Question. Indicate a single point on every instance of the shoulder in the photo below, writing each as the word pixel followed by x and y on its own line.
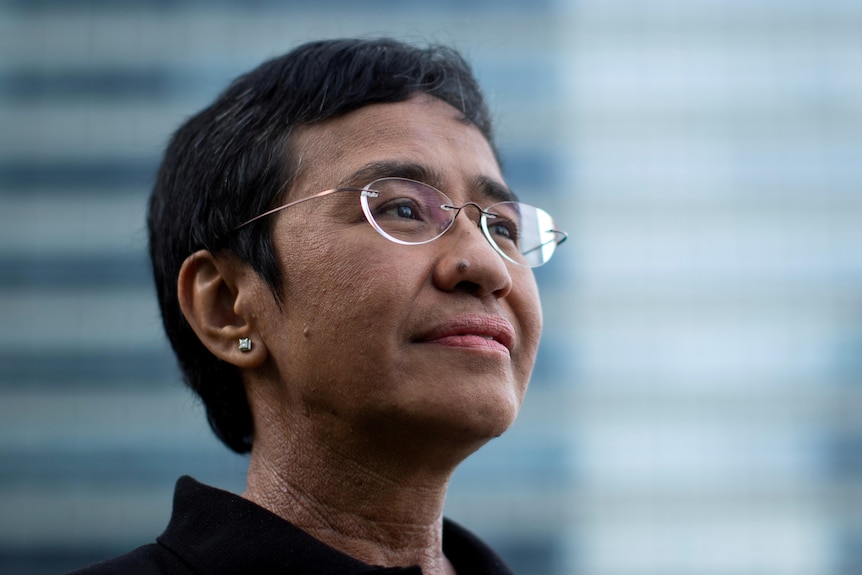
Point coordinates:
pixel 152 559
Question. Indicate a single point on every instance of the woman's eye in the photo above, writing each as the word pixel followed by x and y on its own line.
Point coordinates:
pixel 504 229
pixel 401 210
pixel 404 212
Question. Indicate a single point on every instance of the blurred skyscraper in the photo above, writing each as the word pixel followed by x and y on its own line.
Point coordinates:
pixel 695 406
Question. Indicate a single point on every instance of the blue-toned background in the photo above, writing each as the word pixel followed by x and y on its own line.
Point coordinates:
pixel 697 407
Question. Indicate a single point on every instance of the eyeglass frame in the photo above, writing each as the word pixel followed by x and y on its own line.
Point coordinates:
pixel 366 192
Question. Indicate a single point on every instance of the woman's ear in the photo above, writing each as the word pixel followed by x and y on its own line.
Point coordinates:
pixel 214 295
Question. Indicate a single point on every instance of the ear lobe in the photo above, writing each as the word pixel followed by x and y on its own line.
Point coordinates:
pixel 208 289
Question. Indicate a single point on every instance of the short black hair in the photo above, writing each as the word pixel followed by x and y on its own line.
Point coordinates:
pixel 233 160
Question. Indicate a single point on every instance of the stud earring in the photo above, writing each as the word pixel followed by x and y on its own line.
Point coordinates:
pixel 245 344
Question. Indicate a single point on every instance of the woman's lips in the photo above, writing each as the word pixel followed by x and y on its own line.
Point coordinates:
pixel 479 332
pixel 471 342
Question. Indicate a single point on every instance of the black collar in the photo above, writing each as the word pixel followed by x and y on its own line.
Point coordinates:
pixel 218 532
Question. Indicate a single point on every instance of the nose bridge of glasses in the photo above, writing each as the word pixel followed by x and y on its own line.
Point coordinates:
pixel 458 209
pixel 481 212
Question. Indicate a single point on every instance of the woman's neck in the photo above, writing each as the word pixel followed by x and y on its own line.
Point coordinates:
pixel 363 506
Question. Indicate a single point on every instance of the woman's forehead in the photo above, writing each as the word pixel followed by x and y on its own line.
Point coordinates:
pixel 422 132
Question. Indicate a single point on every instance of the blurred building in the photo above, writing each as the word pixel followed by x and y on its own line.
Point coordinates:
pixel 695 405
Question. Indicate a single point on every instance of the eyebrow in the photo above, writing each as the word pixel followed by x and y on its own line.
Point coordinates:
pixel 494 189
pixel 488 187
pixel 376 170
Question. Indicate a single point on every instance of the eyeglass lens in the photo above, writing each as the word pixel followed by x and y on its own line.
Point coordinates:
pixel 410 212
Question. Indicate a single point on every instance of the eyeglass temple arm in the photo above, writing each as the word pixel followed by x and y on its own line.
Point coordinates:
pixel 555 241
pixel 301 200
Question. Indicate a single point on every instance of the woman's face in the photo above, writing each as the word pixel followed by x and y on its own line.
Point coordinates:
pixel 377 338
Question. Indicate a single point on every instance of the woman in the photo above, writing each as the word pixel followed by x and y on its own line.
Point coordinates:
pixel 346 281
